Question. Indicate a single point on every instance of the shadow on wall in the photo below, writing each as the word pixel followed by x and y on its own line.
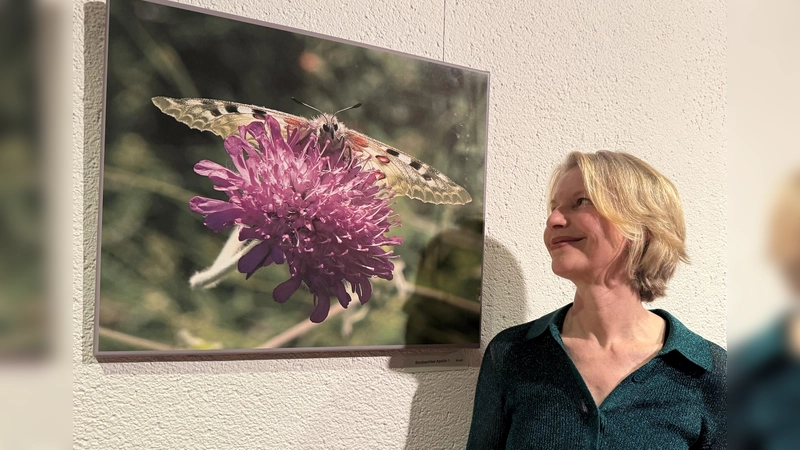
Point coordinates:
pixel 441 410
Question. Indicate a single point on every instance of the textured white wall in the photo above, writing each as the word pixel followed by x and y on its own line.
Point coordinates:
pixel 646 77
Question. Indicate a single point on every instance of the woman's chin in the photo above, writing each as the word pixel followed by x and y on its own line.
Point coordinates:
pixel 564 270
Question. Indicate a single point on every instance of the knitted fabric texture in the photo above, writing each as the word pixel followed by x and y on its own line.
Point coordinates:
pixel 531 396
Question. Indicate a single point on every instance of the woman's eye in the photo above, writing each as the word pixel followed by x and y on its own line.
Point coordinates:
pixel 583 201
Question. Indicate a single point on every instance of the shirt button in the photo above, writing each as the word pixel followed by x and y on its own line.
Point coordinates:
pixel 637 378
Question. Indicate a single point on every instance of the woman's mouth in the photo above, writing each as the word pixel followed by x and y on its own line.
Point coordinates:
pixel 563 241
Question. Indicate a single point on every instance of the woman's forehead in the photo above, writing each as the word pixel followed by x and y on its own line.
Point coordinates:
pixel 569 183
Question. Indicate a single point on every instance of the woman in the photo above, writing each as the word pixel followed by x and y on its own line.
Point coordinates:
pixel 765 374
pixel 603 371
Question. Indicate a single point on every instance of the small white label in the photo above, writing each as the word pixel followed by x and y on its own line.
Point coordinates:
pixel 435 362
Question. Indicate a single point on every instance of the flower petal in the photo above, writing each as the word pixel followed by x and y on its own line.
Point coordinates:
pixel 219 214
pixel 285 290
pixel 275 132
pixel 206 168
pixel 221 220
pixel 236 146
pixel 203 205
pixel 277 255
pixel 249 233
pixel 342 295
pixel 254 259
pixel 366 291
pixel 323 302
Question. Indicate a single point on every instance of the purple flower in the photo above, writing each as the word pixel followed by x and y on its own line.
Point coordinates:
pixel 324 215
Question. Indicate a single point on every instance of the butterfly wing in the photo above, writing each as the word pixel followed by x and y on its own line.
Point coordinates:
pixel 407 175
pixel 221 117
pixel 404 173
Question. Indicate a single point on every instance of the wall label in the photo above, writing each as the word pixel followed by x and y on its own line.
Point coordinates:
pixel 435 362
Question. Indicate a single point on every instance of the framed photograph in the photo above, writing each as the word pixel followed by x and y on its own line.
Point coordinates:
pixel 266 189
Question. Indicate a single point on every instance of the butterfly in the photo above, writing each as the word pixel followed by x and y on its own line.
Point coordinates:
pixel 405 174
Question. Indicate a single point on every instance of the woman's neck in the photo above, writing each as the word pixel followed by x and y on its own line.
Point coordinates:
pixel 611 314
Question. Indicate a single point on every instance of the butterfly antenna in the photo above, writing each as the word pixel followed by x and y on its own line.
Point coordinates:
pixel 307 105
pixel 357 105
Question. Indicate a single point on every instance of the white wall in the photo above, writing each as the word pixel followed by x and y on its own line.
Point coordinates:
pixel 646 77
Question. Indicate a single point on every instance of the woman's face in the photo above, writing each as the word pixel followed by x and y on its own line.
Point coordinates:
pixel 789 259
pixel 785 237
pixel 585 247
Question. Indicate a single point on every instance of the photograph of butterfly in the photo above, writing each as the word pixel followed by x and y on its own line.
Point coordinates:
pixel 404 173
pixel 345 213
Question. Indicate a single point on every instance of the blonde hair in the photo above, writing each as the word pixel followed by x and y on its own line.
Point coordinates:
pixel 643 205
pixel 784 238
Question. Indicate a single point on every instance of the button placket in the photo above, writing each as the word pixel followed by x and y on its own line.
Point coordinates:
pixel 601 427
pixel 641 374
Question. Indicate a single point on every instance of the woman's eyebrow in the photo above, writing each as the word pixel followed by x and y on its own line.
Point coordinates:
pixel 578 193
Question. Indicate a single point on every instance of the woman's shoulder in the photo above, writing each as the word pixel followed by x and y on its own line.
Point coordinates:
pixel 506 344
pixel 697 349
pixel 524 331
pixel 719 357
pixel 718 375
pixel 511 335
pixel 687 336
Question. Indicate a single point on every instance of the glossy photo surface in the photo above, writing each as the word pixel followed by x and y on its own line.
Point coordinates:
pixel 241 212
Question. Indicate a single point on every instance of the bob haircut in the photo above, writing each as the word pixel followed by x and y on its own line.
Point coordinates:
pixel 644 206
pixel 784 242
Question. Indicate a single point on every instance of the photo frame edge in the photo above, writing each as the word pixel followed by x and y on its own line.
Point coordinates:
pixel 235 354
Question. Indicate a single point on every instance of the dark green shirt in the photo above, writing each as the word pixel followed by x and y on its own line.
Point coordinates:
pixel 765 391
pixel 531 396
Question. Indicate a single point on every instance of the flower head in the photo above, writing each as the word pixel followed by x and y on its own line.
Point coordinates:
pixel 325 216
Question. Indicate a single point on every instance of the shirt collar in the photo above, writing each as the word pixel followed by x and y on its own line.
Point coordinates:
pixel 679 338
pixel 553 320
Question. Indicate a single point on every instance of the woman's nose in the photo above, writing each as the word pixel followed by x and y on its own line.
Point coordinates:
pixel 556 219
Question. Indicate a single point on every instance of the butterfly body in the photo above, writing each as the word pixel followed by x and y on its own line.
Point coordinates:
pixel 330 133
pixel 405 174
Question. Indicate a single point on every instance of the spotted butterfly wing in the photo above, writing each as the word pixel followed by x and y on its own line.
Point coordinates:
pixel 220 117
pixel 408 175
pixel 405 174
